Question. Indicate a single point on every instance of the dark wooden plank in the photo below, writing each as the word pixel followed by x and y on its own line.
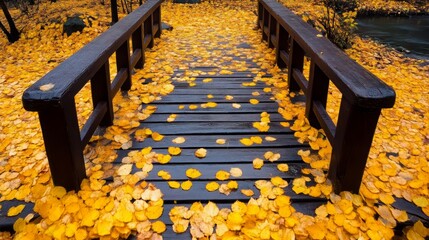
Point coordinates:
pixel 178 128
pixel 209 141
pixel 221 108
pixel 198 192
pixel 232 155
pixel 6 223
pixel 187 91
pixel 208 171
pixel 202 98
pixel 217 117
pixel 221 85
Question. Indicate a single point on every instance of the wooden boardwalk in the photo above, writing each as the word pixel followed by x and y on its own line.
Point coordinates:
pixel 203 126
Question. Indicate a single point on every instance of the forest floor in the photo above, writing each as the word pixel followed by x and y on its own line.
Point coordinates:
pixel 397 165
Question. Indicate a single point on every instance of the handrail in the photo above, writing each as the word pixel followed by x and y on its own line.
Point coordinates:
pixel 64 142
pixel 363 94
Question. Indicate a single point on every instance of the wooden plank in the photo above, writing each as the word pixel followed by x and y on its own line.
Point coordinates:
pixel 198 192
pixel 221 85
pixel 233 141
pixel 221 108
pixel 208 171
pixel 179 128
pixel 6 223
pixel 234 92
pixel 217 117
pixel 219 155
pixel 202 98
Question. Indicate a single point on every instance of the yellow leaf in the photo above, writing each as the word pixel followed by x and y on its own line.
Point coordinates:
pixel 258 163
pixel 256 139
pixel 421 201
pixel 206 80
pixel 14 211
pixel 193 107
pixel 247 192
pixel 222 175
pixel 210 96
pixel 104 227
pixel 283 167
pixel 186 185
pixel 236 105
pixel 154 212
pixel 254 101
pixel 229 97
pixel 246 141
pixel 157 137
pixel 173 184
pixel 125 169
pixel 232 185
pixel 201 153
pixel 158 227
pixel 174 151
pixel 164 175
pixel 193 173
pixel 236 172
pixel 270 139
pixel 179 140
pixel 220 141
pixel 47 87
pixel 212 186
pixel 171 118
pixel 163 159
pixel 211 104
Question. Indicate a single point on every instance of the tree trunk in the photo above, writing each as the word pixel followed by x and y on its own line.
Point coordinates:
pixel 114 7
pixel 13 34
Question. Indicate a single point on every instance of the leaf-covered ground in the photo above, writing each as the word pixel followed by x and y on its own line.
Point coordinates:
pixel 397 165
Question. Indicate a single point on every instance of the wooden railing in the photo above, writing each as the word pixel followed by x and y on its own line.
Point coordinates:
pixel 363 94
pixel 64 141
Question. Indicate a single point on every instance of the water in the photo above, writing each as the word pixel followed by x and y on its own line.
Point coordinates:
pixel 409 35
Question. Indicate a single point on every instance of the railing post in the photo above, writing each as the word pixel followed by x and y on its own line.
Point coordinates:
pixel 157 20
pixel 63 144
pixel 102 92
pixel 265 22
pixel 148 30
pixel 352 142
pixel 260 15
pixel 123 61
pixel 296 61
pixel 137 39
pixel 272 27
pixel 282 45
pixel 318 85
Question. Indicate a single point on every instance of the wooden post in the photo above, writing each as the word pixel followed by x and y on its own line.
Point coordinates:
pixel 265 20
pixel 63 144
pixel 157 20
pixel 137 39
pixel 102 92
pixel 272 27
pixel 114 10
pixel 148 30
pixel 123 61
pixel 318 85
pixel 296 61
pixel 353 138
pixel 282 45
pixel 260 15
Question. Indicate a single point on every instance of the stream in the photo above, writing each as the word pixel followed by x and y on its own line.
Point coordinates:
pixel 409 35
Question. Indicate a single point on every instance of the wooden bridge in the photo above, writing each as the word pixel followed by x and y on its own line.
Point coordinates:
pixel 363 97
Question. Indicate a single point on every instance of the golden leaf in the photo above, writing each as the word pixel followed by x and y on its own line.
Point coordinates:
pixel 258 163
pixel 246 141
pixel 220 141
pixel 222 175
pixel 193 173
pixel 212 186
pixel 47 87
pixel 179 140
pixel 254 101
pixel 186 185
pixel 174 184
pixel 157 137
pixel 174 151
pixel 247 192
pixel 201 153
pixel 158 227
pixel 14 211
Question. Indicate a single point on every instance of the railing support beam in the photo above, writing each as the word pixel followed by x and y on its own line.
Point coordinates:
pixel 355 130
pixel 63 145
